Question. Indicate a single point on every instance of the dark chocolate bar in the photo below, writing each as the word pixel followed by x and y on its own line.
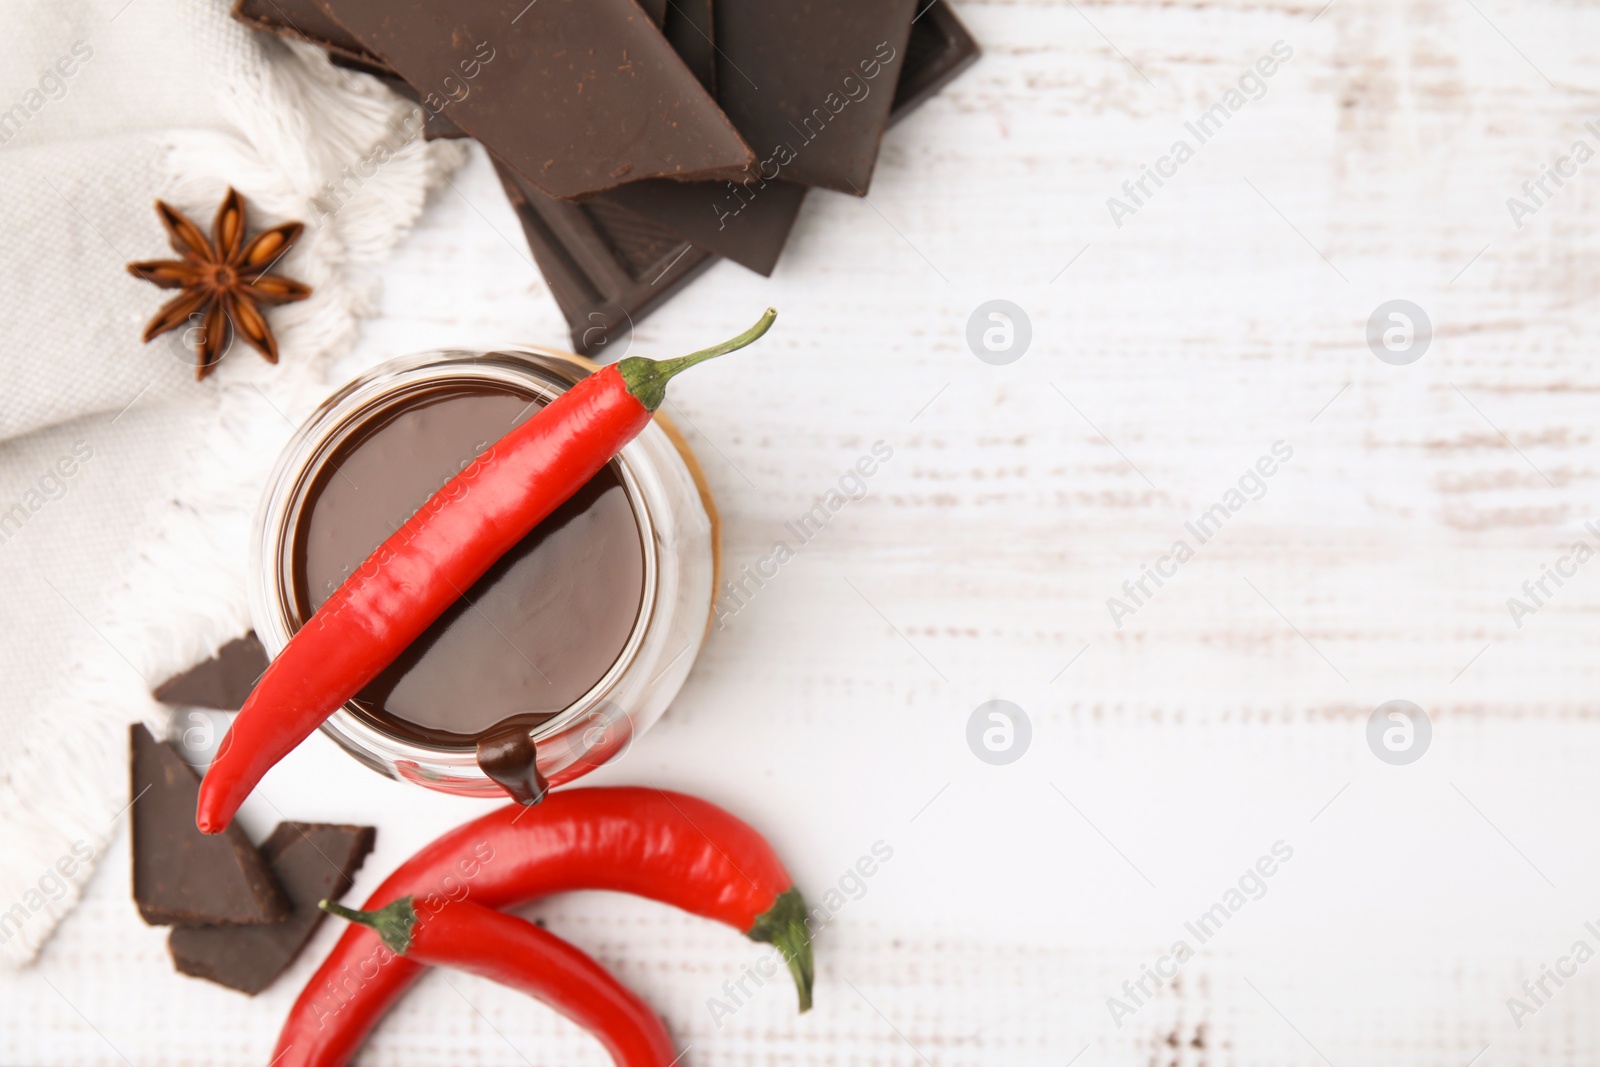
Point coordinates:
pixel 938 49
pixel 578 96
pixel 656 9
pixel 608 264
pixel 312 862
pixel 747 221
pixel 181 875
pixel 597 300
pixel 750 222
pixel 221 682
pixel 303 20
pixel 690 31
pixel 810 85
pixel 606 267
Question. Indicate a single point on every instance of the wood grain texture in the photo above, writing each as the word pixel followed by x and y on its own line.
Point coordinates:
pixel 1228 713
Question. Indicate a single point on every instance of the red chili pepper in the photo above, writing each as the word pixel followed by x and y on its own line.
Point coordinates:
pixel 427 564
pixel 664 846
pixel 516 953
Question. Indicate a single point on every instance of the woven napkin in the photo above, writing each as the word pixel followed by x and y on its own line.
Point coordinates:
pixel 126 487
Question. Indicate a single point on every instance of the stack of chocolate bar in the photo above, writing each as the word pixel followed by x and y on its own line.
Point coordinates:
pixel 641 140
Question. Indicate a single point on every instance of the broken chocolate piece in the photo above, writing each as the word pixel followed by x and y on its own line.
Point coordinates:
pixel 656 9
pixel 938 49
pixel 312 862
pixel 601 303
pixel 578 96
pixel 303 20
pixel 690 31
pixel 221 682
pixel 810 85
pixel 181 875
pixel 748 222
pixel 606 267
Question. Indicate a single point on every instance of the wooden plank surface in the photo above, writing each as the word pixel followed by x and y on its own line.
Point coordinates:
pixel 1229 711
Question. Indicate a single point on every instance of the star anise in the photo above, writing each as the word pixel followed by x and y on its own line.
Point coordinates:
pixel 224 280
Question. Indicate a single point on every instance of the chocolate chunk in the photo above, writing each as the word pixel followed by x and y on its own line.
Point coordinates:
pixel 602 299
pixel 810 85
pixel 303 20
pixel 606 267
pixel 748 222
pixel 656 9
pixel 611 261
pixel 312 861
pixel 221 682
pixel 576 95
pixel 181 875
pixel 938 49
pixel 689 29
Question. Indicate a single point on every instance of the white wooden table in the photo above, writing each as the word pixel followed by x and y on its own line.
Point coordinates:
pixel 1228 712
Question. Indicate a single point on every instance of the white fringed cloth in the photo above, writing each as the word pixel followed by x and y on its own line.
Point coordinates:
pixel 126 488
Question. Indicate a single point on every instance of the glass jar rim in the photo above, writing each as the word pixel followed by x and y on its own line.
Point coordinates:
pixel 385 385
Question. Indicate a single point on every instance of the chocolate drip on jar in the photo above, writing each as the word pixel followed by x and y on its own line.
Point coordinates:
pixel 507 754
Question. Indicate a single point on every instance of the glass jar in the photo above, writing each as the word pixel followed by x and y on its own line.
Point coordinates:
pixel 676 521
